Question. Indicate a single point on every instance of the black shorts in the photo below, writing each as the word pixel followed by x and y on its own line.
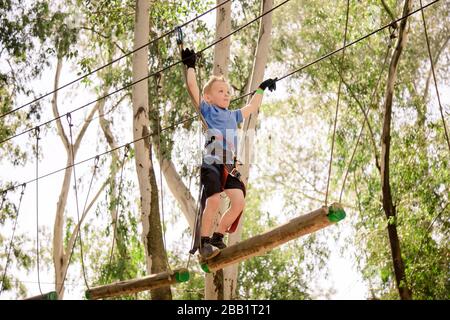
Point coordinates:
pixel 211 179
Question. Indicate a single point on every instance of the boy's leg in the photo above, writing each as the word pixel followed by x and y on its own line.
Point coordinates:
pixel 206 250
pixel 237 205
pixel 211 208
pixel 210 178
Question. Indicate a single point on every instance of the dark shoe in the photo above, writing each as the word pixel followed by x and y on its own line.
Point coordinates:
pixel 207 251
pixel 217 241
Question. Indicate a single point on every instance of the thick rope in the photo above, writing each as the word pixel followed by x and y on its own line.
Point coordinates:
pixel 434 78
pixel 125 156
pixel 203 126
pixel 69 120
pixel 96 160
pixel 188 118
pixel 185 69
pixel 37 133
pixel 128 85
pixel 337 106
pixel 192 117
pixel 114 61
pixel 158 125
pixel 366 114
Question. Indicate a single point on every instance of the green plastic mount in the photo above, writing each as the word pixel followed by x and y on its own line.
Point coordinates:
pixel 51 296
pixel 88 295
pixel 205 267
pixel 335 213
pixel 182 276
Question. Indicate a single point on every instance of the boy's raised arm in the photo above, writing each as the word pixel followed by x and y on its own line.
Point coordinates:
pixel 256 100
pixel 193 89
pixel 188 57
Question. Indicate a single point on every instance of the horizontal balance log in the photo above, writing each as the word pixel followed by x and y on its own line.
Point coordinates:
pixel 260 244
pixel 150 282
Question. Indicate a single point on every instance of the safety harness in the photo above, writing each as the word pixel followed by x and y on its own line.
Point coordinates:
pixel 228 169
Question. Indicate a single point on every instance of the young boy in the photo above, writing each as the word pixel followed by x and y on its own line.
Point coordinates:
pixel 218 171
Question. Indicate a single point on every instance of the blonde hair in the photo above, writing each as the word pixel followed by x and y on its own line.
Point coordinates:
pixel 207 87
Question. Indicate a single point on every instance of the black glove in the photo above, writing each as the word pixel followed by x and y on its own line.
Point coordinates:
pixel 269 83
pixel 188 57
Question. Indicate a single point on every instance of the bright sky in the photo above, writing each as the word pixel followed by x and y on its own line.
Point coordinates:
pixel 344 277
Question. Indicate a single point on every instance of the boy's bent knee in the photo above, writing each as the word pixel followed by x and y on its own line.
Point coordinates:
pixel 213 200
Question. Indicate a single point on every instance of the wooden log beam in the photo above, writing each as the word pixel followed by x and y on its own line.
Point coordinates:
pixel 52 295
pixel 153 281
pixel 262 243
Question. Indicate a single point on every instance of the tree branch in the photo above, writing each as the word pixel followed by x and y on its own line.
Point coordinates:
pixel 88 120
pixel 103 36
pixel 74 234
pixel 59 125
pixel 390 13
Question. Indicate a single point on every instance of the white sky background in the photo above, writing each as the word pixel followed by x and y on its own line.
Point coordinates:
pixel 343 275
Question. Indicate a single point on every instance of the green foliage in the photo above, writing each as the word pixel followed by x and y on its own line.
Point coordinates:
pixel 418 151
pixel 16 255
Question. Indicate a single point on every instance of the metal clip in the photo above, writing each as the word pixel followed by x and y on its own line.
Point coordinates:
pixel 179 35
pixel 69 119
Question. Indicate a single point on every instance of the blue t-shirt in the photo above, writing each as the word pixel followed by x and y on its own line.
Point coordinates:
pixel 223 123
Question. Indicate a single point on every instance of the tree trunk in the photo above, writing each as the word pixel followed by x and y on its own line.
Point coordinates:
pixel 155 241
pixel 222 49
pixel 214 282
pixel 176 185
pixel 59 258
pixel 249 133
pixel 388 205
pixel 151 227
pixel 60 254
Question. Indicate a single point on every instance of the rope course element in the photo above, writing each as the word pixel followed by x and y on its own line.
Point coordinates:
pixel 188 118
pixel 150 282
pixel 295 228
pixel 161 187
pixel 197 222
pixel 179 38
pixel 52 295
pixel 390 24
pixel 337 105
pixel 113 61
pixel 12 237
pixel 255 246
pixel 149 75
pixel 192 117
pixel 37 134
pixel 125 156
pixel 434 78
pixel 96 160
pixel 366 114
pixel 78 235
